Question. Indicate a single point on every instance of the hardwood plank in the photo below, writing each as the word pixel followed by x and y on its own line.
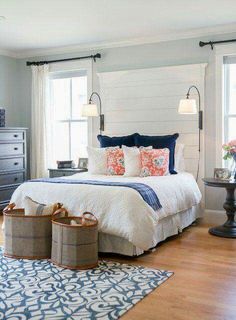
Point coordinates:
pixel 203 286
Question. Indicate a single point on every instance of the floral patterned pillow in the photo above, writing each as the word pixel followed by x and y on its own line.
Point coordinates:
pixel 154 162
pixel 115 161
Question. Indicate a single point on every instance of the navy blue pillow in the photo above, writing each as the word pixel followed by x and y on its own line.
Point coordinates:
pixel 159 142
pixel 106 141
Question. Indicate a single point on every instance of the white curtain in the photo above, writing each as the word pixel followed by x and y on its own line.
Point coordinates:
pixel 40 121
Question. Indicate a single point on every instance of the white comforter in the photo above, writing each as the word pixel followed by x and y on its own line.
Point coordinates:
pixel 120 211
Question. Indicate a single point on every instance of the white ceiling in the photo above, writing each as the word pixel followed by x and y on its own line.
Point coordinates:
pixel 32 25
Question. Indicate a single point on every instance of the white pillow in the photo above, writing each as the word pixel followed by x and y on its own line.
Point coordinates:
pixel 132 160
pixel 97 160
pixel 179 157
pixel 34 208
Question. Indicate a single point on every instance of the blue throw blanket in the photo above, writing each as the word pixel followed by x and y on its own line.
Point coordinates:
pixel 146 192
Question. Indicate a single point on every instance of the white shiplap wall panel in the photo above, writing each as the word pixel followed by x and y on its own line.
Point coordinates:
pixel 162 74
pixel 146 90
pixel 146 101
pixel 137 103
pixel 145 127
pixel 151 115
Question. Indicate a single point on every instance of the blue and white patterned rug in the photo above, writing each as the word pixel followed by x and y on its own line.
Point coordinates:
pixel 39 290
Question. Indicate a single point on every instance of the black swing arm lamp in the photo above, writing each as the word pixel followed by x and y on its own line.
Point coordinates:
pixel 189 106
pixel 91 109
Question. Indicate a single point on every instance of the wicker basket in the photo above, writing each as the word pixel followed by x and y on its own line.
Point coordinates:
pixel 75 246
pixel 27 236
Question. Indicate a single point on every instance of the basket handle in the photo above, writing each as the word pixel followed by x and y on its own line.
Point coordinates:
pixel 58 212
pixel 9 207
pixel 57 206
pixel 88 214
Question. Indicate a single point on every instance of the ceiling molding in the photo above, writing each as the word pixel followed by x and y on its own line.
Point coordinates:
pixel 178 35
pixel 8 53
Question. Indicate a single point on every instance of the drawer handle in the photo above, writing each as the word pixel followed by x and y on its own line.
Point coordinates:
pixel 15 135
pixel 15 148
pixel 16 163
pixel 15 179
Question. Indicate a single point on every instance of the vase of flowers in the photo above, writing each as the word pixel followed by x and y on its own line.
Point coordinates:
pixel 230 154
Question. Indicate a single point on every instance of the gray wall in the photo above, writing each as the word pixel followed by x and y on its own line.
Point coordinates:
pixel 143 56
pixel 8 89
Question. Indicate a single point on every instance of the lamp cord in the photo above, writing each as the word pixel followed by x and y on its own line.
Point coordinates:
pixel 198 166
pixel 199 126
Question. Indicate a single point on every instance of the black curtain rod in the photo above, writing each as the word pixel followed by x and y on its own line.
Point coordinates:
pixel 211 43
pixel 39 63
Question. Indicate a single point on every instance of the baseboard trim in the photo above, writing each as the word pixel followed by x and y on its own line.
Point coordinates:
pixel 209 211
pixel 214 217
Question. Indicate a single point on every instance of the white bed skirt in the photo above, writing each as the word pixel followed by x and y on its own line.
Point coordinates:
pixel 166 227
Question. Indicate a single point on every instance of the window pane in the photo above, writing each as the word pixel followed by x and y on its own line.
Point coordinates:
pixel 61 141
pixel 79 140
pixel 60 97
pixel 70 138
pixel 232 89
pixel 79 95
pixel 232 129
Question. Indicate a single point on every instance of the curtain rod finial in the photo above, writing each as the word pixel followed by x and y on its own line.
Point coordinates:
pixel 96 56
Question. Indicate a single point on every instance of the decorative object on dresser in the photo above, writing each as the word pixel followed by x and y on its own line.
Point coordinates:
pixel 2 117
pixel 228 229
pixel 13 166
pixel 54 173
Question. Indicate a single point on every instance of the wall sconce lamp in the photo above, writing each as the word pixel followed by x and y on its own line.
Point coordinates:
pixel 189 106
pixel 91 109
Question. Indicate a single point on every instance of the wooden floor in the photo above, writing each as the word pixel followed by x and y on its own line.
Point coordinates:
pixel 204 284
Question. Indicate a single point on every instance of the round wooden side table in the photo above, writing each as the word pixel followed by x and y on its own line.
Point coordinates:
pixel 228 229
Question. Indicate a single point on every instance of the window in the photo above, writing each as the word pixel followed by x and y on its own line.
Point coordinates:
pixel 229 98
pixel 68 92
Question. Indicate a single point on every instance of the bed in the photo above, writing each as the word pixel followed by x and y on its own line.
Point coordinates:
pixel 127 224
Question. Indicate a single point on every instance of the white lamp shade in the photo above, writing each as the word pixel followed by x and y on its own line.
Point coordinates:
pixel 187 106
pixel 90 110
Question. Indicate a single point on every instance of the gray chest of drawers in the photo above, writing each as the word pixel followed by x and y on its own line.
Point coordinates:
pixel 12 162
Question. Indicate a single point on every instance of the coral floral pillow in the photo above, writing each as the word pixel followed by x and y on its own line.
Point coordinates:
pixel 154 162
pixel 115 161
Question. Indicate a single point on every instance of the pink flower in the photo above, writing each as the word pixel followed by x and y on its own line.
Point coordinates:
pixel 233 150
pixel 232 143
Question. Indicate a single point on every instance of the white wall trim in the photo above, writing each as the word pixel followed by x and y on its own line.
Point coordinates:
pixel 220 52
pixel 214 217
pixel 8 53
pixel 177 35
pixel 221 212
